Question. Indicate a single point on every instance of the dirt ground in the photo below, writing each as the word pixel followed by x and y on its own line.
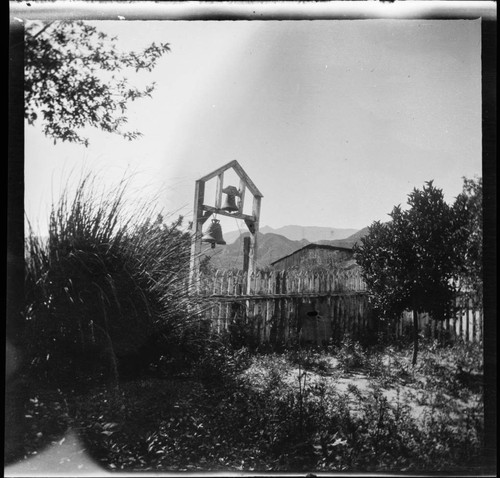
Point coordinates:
pixel 410 390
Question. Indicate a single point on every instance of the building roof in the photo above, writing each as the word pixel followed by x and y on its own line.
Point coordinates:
pixel 314 246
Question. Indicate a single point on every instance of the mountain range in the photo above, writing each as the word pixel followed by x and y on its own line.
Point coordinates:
pixel 298 233
pixel 271 247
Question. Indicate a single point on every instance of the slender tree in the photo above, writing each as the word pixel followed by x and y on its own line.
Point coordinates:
pixel 74 78
pixel 409 262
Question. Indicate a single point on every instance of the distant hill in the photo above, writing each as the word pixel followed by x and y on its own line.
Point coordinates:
pixel 299 233
pixel 270 248
pixel 349 241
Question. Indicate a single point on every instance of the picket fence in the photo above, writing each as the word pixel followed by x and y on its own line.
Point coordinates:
pixel 292 282
pixel 316 306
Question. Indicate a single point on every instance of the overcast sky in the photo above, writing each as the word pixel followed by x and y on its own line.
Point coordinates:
pixel 335 121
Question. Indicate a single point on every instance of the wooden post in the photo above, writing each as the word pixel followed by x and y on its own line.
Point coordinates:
pixel 460 319
pixel 218 193
pixel 474 324
pixel 467 322
pixel 252 253
pixel 194 266
pixel 246 252
pixel 415 338
pixel 481 318
pixel 241 199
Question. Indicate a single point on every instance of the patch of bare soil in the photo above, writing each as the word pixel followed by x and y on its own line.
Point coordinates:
pixel 399 384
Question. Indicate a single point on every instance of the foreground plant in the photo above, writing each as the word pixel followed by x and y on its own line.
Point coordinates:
pixel 221 419
pixel 104 283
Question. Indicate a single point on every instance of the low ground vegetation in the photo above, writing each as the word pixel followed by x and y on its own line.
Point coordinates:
pixel 337 409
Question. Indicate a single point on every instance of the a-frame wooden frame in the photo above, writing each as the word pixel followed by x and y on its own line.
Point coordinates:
pixel 202 212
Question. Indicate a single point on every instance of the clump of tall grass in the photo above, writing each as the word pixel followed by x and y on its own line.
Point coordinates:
pixel 103 283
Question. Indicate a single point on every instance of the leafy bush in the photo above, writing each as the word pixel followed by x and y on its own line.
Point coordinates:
pixel 456 369
pixel 310 359
pixel 218 363
pixel 351 355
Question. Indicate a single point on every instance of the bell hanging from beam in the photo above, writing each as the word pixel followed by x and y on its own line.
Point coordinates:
pixel 213 235
pixel 230 202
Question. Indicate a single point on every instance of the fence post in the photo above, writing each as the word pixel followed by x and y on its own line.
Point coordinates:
pixel 467 321
pixel 481 317
pixel 473 322
pixel 253 283
pixel 460 318
pixel 230 282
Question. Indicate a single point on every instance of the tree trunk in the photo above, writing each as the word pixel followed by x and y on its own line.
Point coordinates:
pixel 415 338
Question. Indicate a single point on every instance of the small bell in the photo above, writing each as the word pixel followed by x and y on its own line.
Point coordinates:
pixel 230 202
pixel 213 235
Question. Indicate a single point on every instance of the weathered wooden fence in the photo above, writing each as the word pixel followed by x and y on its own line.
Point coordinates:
pixel 317 306
pixel 466 323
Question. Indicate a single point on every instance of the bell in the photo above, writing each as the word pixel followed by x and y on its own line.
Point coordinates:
pixel 230 202
pixel 214 234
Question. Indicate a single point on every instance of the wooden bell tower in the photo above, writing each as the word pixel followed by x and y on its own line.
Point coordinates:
pixel 202 212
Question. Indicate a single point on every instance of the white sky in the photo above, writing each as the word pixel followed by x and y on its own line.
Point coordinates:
pixel 335 121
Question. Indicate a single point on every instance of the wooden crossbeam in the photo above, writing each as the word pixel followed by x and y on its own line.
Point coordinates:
pixel 221 212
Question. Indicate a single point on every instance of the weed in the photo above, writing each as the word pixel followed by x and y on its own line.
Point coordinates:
pixel 351 355
pixel 309 359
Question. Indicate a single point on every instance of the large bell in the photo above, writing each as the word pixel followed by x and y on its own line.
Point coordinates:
pixel 230 202
pixel 214 234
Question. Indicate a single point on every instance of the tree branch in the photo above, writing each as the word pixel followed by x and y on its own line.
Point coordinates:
pixel 42 30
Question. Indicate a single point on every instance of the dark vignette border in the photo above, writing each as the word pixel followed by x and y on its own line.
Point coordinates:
pixel 95 10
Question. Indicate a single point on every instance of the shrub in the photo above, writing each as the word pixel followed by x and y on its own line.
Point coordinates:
pixel 219 364
pixel 310 359
pixel 351 355
pixel 456 369
pixel 101 285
